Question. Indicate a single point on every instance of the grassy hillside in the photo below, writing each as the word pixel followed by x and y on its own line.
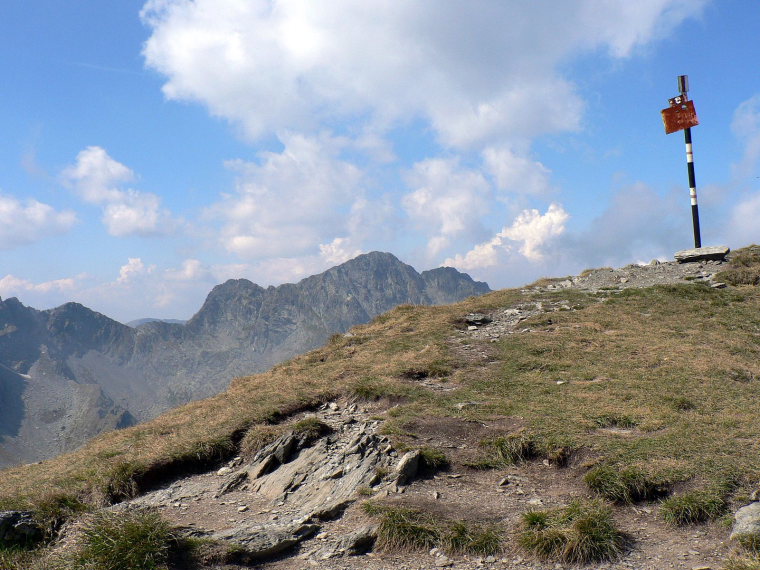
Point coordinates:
pixel 657 388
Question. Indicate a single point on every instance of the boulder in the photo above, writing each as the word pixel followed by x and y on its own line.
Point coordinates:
pixel 477 319
pixel 407 467
pixel 359 541
pixel 18 528
pixel 709 253
pixel 746 521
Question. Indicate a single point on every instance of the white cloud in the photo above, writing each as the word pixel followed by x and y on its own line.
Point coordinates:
pixel 744 228
pixel 447 201
pixel 96 178
pixel 338 251
pixel 475 74
pixel 746 126
pixel 11 285
pixel 191 269
pixel 133 268
pixel 27 222
pixel 534 229
pixel 288 202
pixel 516 173
pixel 530 229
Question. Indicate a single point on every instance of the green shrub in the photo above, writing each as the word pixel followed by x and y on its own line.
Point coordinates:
pixel 580 533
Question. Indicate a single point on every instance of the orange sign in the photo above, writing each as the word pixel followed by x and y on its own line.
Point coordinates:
pixel 679 116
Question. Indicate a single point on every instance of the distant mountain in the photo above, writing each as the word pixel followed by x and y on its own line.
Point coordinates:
pixel 69 373
pixel 138 322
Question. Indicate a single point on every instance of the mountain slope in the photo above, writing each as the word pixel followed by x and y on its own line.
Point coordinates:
pixel 603 374
pixel 69 373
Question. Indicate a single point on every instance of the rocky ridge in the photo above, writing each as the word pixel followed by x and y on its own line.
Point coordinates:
pixel 70 373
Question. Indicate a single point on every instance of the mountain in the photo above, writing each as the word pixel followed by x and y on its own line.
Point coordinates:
pixel 138 322
pixel 69 373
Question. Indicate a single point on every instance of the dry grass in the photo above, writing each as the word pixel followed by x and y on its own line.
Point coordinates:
pixel 744 267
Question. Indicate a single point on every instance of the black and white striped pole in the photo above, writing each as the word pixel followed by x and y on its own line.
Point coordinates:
pixel 683 87
pixel 681 115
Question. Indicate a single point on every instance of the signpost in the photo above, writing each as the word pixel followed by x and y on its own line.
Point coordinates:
pixel 681 115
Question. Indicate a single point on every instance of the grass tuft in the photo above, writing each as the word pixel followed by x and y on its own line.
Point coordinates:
pixel 579 533
pixel 257 437
pixel 694 507
pixel 52 510
pixel 403 529
pixel 615 421
pixel 743 267
pixel 433 460
pixel 461 537
pixel 504 451
pixel 624 485
pixel 310 429
pixel 131 540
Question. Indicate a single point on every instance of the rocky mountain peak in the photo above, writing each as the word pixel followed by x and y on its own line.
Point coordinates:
pixel 76 357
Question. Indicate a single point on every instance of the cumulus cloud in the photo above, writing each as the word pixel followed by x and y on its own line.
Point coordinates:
pixel 12 285
pixel 338 251
pixel 516 173
pixel 97 178
pixel 746 126
pixel 743 228
pixel 29 221
pixel 446 202
pixel 288 202
pixel 300 64
pixel 132 269
pixel 528 233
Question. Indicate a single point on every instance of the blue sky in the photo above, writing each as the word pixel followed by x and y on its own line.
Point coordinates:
pixel 153 150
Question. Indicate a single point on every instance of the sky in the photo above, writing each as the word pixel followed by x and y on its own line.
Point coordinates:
pixel 152 150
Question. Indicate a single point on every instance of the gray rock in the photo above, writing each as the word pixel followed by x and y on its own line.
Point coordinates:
pixel 360 541
pixel 262 543
pixel 477 319
pixel 18 528
pixel 407 467
pixel 713 252
pixel 234 482
pixel 746 520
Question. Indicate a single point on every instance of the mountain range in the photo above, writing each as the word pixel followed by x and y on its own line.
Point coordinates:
pixel 69 373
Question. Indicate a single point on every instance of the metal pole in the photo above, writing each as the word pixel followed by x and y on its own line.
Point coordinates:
pixel 683 87
pixel 692 188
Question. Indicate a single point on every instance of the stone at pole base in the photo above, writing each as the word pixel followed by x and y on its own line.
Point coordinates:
pixel 712 252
